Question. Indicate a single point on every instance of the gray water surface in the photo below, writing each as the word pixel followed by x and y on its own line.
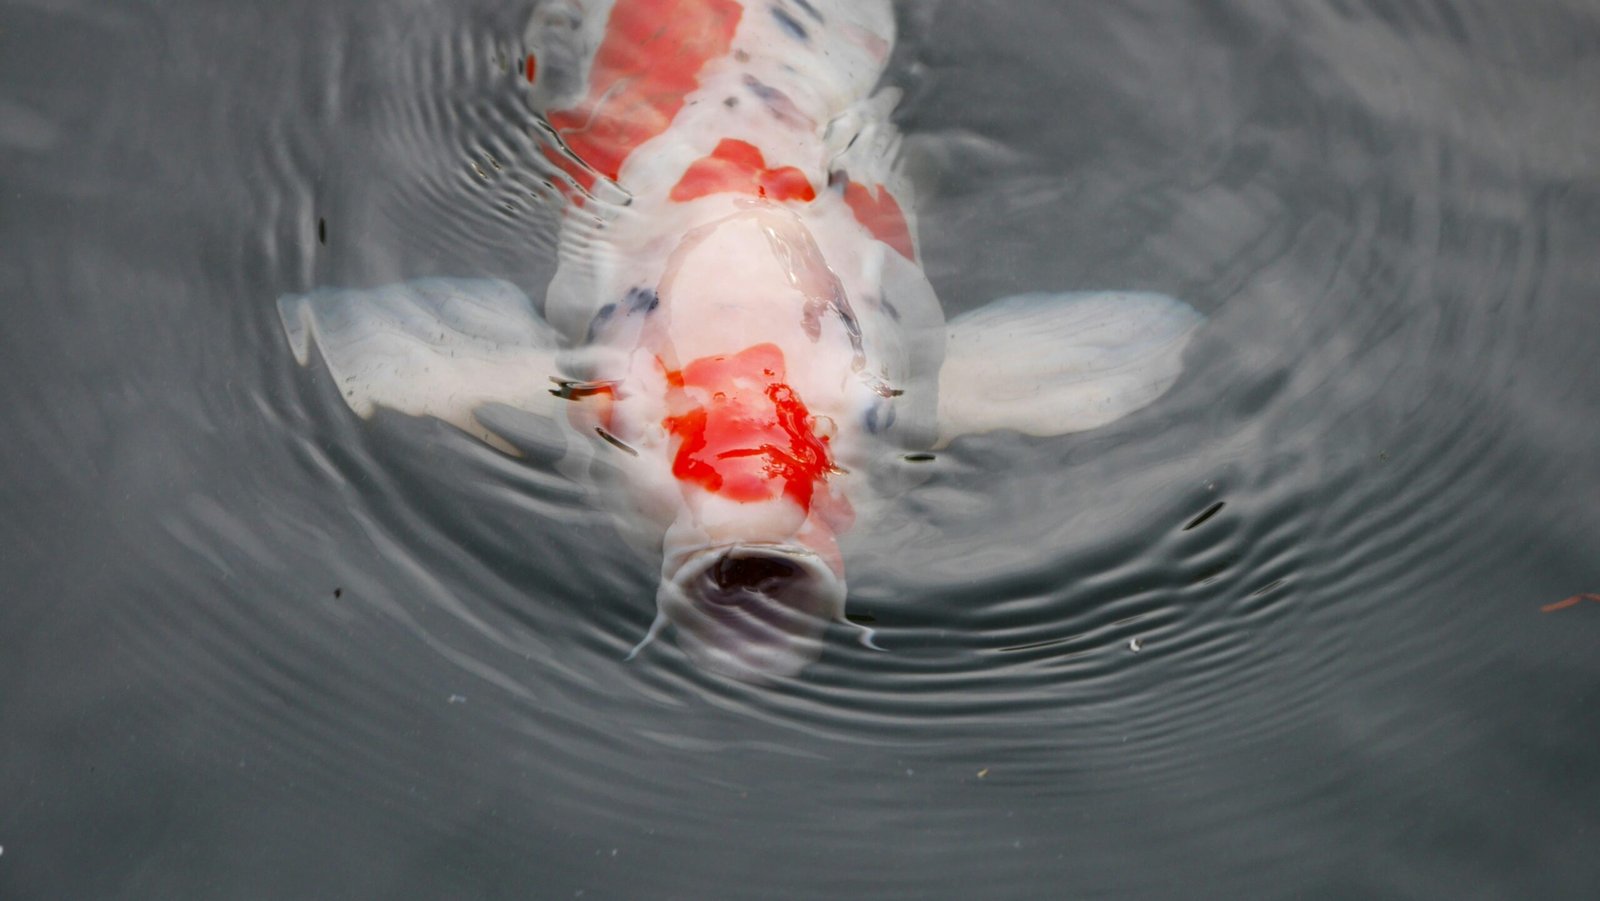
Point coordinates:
pixel 254 647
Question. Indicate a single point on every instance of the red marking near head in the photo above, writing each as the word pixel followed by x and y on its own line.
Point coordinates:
pixel 532 68
pixel 737 166
pixel 649 60
pixel 881 214
pixel 744 432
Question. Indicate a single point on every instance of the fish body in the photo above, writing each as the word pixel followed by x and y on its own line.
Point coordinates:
pixel 739 327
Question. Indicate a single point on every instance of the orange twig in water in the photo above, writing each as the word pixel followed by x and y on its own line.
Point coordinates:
pixel 1573 601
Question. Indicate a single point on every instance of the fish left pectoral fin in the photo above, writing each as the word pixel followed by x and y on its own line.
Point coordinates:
pixel 433 347
pixel 1050 364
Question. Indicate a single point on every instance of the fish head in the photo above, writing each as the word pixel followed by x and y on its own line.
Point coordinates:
pixel 744 388
pixel 751 572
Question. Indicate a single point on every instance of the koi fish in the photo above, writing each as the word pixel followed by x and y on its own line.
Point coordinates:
pixel 739 333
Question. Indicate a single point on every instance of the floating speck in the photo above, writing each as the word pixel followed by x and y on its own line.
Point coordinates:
pixel 1204 515
pixel 1136 644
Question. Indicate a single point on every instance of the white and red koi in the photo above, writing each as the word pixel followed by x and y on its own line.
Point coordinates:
pixel 743 337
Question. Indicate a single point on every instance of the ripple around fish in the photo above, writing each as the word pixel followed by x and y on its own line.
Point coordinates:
pixel 478 160
pixel 1334 408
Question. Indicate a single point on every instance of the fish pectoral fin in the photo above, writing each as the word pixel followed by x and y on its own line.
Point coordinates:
pixel 432 347
pixel 1050 364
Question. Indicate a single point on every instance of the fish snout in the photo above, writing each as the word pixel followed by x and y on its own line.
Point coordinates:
pixel 752 611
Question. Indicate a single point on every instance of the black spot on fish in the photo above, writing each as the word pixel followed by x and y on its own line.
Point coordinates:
pixel 641 300
pixel 880 417
pixel 730 102
pixel 601 317
pixel 809 9
pixel 777 102
pixel 790 24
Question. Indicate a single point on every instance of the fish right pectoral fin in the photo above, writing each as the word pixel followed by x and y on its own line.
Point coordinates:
pixel 1050 364
pixel 431 347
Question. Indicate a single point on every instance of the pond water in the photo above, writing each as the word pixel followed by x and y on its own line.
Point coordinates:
pixel 1280 634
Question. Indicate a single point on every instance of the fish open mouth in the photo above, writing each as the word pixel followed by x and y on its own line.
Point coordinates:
pixel 752 611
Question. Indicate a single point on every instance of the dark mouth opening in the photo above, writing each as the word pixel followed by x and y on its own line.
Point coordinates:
pixel 752 572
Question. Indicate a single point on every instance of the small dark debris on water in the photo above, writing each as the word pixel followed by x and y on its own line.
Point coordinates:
pixel 919 458
pixel 615 442
pixel 338 593
pixel 1211 573
pixel 322 230
pixel 1209 512
pixel 568 389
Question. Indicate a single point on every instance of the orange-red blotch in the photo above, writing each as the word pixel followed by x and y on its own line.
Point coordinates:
pixel 648 62
pixel 877 209
pixel 1573 601
pixel 737 167
pixel 532 68
pixel 745 434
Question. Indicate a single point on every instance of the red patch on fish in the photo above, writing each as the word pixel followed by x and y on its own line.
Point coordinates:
pixel 744 433
pixel 737 167
pixel 880 213
pixel 649 61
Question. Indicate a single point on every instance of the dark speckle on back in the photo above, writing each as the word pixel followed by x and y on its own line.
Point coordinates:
pixel 790 24
pixel 641 300
pixel 810 10
pixel 638 301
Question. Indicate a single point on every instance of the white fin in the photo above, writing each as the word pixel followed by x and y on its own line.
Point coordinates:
pixel 1049 364
pixel 433 347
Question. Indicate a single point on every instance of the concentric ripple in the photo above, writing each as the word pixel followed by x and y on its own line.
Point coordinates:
pixel 1278 633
